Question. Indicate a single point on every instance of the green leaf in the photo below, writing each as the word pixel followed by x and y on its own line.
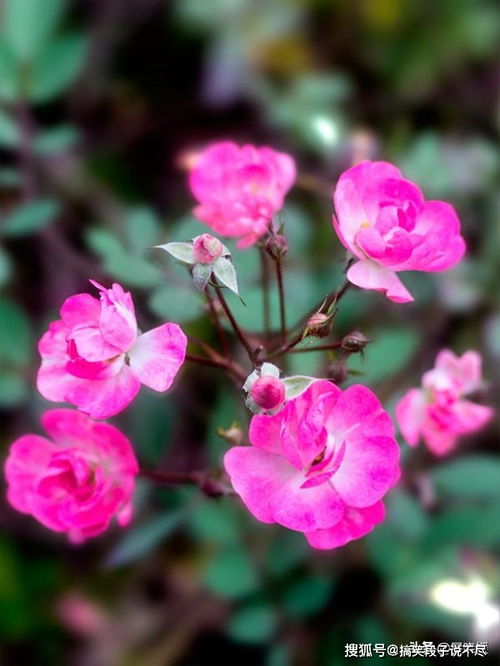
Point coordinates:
pixel 57 67
pixel 253 623
pixel 405 514
pixel 103 242
pixel 9 132
pixel 132 270
pixel 140 540
pixel 296 385
pixel 13 388
pixel 287 550
pixel 476 476
pixel 472 525
pixel 55 139
pixel 10 178
pixel 180 251
pixel 119 263
pixel 9 80
pixel 27 25
pixel 30 217
pixel 176 303
pixel 5 267
pixel 390 350
pixel 278 655
pixel 142 228
pixel 201 274
pixel 225 272
pixel 15 335
pixel 216 522
pixel 231 574
pixel 307 595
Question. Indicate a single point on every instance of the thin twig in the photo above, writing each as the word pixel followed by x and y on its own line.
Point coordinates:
pixel 265 290
pixel 204 480
pixel 237 330
pixel 308 181
pixel 334 297
pixel 220 329
pixel 281 291
pixel 325 347
pixel 223 364
pixel 172 478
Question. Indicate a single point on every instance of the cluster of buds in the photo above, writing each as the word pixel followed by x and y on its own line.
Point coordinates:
pixel 207 257
pixel 267 393
pixel 276 244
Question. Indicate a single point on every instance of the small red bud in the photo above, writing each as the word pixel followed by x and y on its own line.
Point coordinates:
pixel 319 325
pixel 268 392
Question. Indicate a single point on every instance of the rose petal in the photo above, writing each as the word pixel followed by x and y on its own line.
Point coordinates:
pixel 157 356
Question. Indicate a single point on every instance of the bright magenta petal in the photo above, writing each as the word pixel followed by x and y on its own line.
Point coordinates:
pixel 368 470
pixel 157 356
pixel 369 275
pixel 305 508
pixel 410 414
pixel 354 524
pixel 102 398
pixel 257 476
pixel 28 456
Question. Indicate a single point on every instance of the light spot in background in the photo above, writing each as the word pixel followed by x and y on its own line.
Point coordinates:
pixel 326 129
pixel 456 596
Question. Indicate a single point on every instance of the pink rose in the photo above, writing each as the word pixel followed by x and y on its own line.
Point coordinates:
pixel 389 227
pixel 95 358
pixel 437 412
pixel 76 481
pixel 320 466
pixel 240 188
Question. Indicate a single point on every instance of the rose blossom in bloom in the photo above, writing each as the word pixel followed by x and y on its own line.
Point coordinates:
pixel 240 188
pixel 77 480
pixel 94 357
pixel 438 412
pixel 385 222
pixel 320 466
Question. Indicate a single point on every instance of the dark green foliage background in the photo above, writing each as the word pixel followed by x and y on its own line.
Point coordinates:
pixel 98 100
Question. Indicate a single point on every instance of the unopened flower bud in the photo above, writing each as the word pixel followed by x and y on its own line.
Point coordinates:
pixel 319 325
pixel 354 342
pixel 276 246
pixel 206 249
pixel 268 392
pixel 232 435
pixel 187 159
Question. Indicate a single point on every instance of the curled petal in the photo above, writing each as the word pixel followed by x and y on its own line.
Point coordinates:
pixel 157 356
pixel 354 524
pixel 369 275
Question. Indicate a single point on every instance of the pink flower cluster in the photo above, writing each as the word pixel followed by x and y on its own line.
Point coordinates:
pixel 95 358
pixel 320 466
pixel 76 481
pixel 385 222
pixel 438 412
pixel 321 459
pixel 240 188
